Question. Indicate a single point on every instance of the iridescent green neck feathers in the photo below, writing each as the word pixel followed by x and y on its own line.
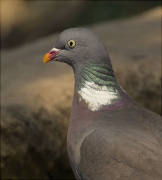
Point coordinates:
pixel 97 85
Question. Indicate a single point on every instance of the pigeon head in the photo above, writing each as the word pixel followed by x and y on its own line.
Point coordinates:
pixel 75 47
pixel 87 55
pixel 95 82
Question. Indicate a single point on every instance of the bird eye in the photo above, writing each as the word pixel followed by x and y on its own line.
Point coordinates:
pixel 71 43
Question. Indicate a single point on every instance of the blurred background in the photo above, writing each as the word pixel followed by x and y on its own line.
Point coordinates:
pixel 36 98
pixel 25 21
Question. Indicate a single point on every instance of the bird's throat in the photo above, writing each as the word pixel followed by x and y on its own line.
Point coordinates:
pixel 97 86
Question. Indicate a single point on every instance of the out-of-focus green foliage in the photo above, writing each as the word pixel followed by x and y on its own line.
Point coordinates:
pixel 96 11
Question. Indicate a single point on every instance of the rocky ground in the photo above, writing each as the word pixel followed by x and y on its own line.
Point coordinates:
pixel 36 98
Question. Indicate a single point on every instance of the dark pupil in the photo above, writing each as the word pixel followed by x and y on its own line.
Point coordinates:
pixel 71 43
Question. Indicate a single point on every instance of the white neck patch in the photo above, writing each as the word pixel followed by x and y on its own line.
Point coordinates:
pixel 96 96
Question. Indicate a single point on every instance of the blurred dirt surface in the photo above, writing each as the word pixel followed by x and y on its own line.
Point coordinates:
pixel 36 98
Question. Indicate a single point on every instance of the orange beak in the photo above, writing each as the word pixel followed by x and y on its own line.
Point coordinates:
pixel 51 55
pixel 46 58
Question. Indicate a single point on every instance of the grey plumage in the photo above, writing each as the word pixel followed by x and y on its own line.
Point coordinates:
pixel 110 136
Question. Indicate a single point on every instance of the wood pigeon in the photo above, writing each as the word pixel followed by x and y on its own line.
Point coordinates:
pixel 110 137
